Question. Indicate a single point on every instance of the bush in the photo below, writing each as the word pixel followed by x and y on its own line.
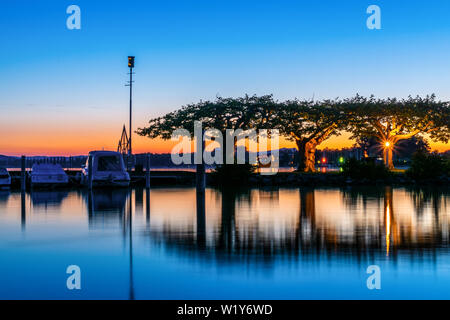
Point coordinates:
pixel 237 174
pixel 427 166
pixel 139 169
pixel 356 169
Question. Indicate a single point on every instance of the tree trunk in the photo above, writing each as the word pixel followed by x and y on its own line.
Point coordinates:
pixel 307 155
pixel 301 155
pixel 224 148
pixel 387 158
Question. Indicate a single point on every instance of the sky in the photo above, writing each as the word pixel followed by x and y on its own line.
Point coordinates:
pixel 62 91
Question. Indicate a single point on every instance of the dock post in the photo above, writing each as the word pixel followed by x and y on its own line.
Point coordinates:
pixel 147 172
pixel 200 175
pixel 200 178
pixel 90 169
pixel 23 215
pixel 201 219
pixel 147 207
pixel 23 181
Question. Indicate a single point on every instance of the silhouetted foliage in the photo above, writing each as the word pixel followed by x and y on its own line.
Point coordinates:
pixel 387 122
pixel 369 145
pixel 309 123
pixel 407 148
pixel 236 175
pixel 248 112
pixel 360 169
pixel 392 120
pixel 427 166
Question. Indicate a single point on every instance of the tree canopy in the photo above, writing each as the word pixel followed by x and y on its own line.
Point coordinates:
pixel 391 120
pixel 224 113
pixel 309 123
pixel 248 112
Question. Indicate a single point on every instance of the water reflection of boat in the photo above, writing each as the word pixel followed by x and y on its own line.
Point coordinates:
pixel 48 198
pixel 108 169
pixel 47 174
pixel 5 179
pixel 4 196
pixel 106 206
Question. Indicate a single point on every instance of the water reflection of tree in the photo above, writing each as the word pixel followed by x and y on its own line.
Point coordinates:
pixel 316 238
pixel 364 194
pixel 424 196
pixel 234 241
pixel 228 227
pixel 201 219
pixel 406 236
pixel 306 233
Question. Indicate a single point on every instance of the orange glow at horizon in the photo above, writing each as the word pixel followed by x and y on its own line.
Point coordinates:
pixel 73 141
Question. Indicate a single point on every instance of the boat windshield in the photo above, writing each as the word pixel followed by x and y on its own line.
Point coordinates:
pixel 109 163
pixel 3 171
pixel 87 161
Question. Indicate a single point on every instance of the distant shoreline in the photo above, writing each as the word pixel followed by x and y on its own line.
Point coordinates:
pixel 183 177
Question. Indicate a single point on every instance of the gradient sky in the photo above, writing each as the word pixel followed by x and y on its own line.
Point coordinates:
pixel 62 91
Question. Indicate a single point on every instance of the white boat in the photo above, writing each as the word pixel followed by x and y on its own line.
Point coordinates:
pixel 47 174
pixel 5 178
pixel 108 169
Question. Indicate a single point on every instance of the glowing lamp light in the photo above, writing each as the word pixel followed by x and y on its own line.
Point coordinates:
pixel 341 159
pixel 324 160
pixel 130 61
pixel 387 144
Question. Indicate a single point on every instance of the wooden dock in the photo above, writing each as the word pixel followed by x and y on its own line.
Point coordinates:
pixel 157 177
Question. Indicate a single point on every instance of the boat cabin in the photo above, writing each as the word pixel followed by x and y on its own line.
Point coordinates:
pixel 108 169
pixel 5 178
pixel 48 174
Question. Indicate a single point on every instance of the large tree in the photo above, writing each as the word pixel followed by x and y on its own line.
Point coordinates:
pixel 309 123
pixel 248 112
pixel 392 120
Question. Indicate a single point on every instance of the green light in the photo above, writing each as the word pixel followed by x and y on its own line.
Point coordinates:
pixel 341 159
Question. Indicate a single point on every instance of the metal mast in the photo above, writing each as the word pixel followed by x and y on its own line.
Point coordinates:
pixel 131 66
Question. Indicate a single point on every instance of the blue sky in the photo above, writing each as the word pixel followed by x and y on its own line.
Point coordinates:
pixel 191 50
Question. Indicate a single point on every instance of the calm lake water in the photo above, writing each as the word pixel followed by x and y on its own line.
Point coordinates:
pixel 251 244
